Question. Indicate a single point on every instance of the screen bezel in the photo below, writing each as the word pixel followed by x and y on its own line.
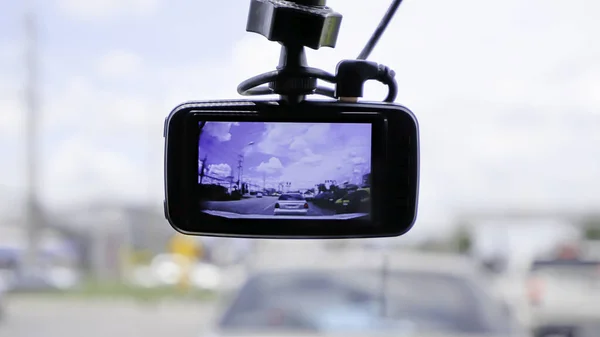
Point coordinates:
pixel 387 209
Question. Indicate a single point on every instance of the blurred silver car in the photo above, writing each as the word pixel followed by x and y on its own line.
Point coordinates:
pixel 3 290
pixel 564 297
pixel 366 295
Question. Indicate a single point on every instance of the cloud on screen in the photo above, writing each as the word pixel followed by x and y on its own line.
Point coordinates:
pixel 222 170
pixel 271 167
pixel 221 131
pixel 304 154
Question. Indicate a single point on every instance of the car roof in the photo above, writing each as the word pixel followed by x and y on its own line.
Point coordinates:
pixel 444 263
pixel 539 264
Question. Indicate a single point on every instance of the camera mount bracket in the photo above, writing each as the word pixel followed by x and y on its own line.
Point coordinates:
pixel 295 24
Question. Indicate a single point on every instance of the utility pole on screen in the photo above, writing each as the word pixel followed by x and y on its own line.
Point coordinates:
pixel 202 169
pixel 240 162
pixel 32 209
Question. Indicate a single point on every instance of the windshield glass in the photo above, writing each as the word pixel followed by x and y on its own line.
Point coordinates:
pixel 507 96
pixel 291 197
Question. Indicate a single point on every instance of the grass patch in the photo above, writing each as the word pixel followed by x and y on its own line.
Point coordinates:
pixel 124 291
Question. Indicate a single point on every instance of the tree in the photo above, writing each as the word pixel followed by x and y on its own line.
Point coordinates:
pixel 463 240
pixel 592 229
pixel 322 188
pixel 366 179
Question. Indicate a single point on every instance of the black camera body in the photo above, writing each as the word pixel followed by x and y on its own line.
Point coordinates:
pixel 389 189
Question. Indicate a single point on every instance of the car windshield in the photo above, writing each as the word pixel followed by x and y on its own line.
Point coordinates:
pixel 569 276
pixel 347 301
pixel 506 93
pixel 291 197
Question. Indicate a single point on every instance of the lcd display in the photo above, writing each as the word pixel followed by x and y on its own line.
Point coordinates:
pixel 285 170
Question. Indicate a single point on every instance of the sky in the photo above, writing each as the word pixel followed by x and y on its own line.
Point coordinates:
pixel 506 93
pixel 303 154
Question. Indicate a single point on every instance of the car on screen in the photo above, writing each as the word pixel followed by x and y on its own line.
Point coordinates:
pixel 564 297
pixel 365 295
pixel 291 204
pixel 259 195
pixel 308 195
pixel 324 199
pixel 357 201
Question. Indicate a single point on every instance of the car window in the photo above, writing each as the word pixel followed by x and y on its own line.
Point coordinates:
pixel 291 197
pixel 361 194
pixel 315 298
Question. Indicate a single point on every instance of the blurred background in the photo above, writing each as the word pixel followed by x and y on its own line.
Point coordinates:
pixel 507 96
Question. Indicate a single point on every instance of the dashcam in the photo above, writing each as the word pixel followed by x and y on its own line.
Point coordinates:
pixel 316 169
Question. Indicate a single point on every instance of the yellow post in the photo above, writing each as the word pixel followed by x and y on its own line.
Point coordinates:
pixel 190 251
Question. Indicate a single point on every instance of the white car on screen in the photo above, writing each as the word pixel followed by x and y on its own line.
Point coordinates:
pixel 309 195
pixel 291 204
pixel 259 195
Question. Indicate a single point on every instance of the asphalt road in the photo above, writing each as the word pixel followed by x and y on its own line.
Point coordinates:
pixel 47 317
pixel 262 206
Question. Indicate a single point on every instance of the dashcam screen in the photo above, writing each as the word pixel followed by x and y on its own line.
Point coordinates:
pixel 285 170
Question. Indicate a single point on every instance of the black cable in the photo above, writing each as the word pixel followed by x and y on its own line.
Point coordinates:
pixel 388 77
pixel 265 90
pixel 352 74
pixel 251 86
pixel 324 91
pixel 385 21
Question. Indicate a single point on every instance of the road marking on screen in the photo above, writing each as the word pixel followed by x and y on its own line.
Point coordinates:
pixel 271 205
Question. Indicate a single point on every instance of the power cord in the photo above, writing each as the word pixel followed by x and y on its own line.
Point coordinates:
pixel 351 76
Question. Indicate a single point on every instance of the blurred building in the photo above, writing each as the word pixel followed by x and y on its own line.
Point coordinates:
pixel 115 231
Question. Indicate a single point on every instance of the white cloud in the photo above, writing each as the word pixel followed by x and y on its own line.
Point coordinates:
pixel 318 133
pixel 222 170
pixel 272 166
pixel 102 9
pixel 78 170
pixel 358 160
pixel 81 104
pixel 313 169
pixel 281 137
pixel 12 109
pixel 298 144
pixel 311 158
pixel 11 117
pixel 314 154
pixel 219 130
pixel 119 64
